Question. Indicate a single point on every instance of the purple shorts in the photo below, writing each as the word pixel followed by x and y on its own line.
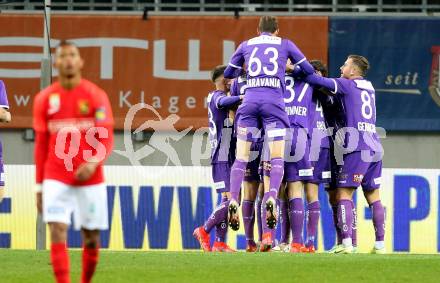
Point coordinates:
pixel 221 173
pixel 262 107
pixel 321 168
pixel 252 173
pixel 355 172
pixel 297 166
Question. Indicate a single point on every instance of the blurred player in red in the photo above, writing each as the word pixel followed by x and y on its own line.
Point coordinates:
pixel 73 123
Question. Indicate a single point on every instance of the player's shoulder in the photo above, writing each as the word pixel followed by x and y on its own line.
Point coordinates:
pixel 363 84
pixel 46 92
pixel 344 82
pixel 264 39
pixel 2 84
pixel 214 94
pixel 287 42
pixel 91 87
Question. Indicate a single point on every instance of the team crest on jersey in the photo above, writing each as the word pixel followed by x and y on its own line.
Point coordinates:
pixel 434 82
pixel 54 103
pixel 357 178
pixel 83 107
pixel 100 114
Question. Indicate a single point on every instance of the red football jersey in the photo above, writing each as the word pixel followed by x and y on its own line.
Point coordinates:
pixel 71 126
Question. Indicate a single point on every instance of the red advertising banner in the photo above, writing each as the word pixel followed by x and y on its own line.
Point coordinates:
pixel 163 61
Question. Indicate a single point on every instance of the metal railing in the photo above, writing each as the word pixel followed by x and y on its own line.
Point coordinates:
pixel 246 6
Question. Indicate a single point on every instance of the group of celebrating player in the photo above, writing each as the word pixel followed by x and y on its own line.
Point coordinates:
pixel 278 127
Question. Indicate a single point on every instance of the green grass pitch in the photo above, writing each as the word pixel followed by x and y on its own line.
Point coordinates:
pixel 33 266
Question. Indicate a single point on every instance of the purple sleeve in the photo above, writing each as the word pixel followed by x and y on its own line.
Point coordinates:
pixel 3 96
pixel 297 58
pixel 234 67
pixel 234 88
pixel 327 83
pixel 224 101
pixel 343 85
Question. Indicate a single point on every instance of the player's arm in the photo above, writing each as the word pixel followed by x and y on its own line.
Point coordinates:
pixel 328 83
pixel 298 58
pixel 104 118
pixel 103 137
pixel 41 144
pixel 227 102
pixel 5 115
pixel 235 66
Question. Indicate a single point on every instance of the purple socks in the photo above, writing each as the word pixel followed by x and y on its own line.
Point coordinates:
pixel 354 226
pixel 296 213
pixel 345 221
pixel 276 176
pixel 218 216
pixel 313 213
pixel 237 176
pixel 284 221
pixel 335 221
pixel 248 211
pixel 378 219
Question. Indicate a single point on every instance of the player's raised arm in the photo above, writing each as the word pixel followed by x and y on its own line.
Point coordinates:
pixel 327 83
pixel 5 115
pixel 298 58
pixel 234 67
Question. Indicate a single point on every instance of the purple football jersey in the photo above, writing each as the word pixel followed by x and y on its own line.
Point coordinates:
pixel 359 103
pixel 298 103
pixel 3 96
pixel 265 57
pixel 238 86
pixel 220 128
pixel 358 97
pixel 318 122
pixel 4 104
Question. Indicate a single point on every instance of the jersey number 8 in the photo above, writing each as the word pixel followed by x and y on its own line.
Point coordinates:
pixel 367 109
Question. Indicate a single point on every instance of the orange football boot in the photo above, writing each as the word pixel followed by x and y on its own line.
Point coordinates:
pixel 222 248
pixel 266 243
pixel 203 238
pixel 298 248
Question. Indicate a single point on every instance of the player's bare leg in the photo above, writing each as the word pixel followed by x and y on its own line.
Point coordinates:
pixel 345 217
pixel 373 199
pixel 250 190
pixel 296 213
pixel 90 256
pixel 237 176
pixel 58 252
pixel 313 214
pixel 2 193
